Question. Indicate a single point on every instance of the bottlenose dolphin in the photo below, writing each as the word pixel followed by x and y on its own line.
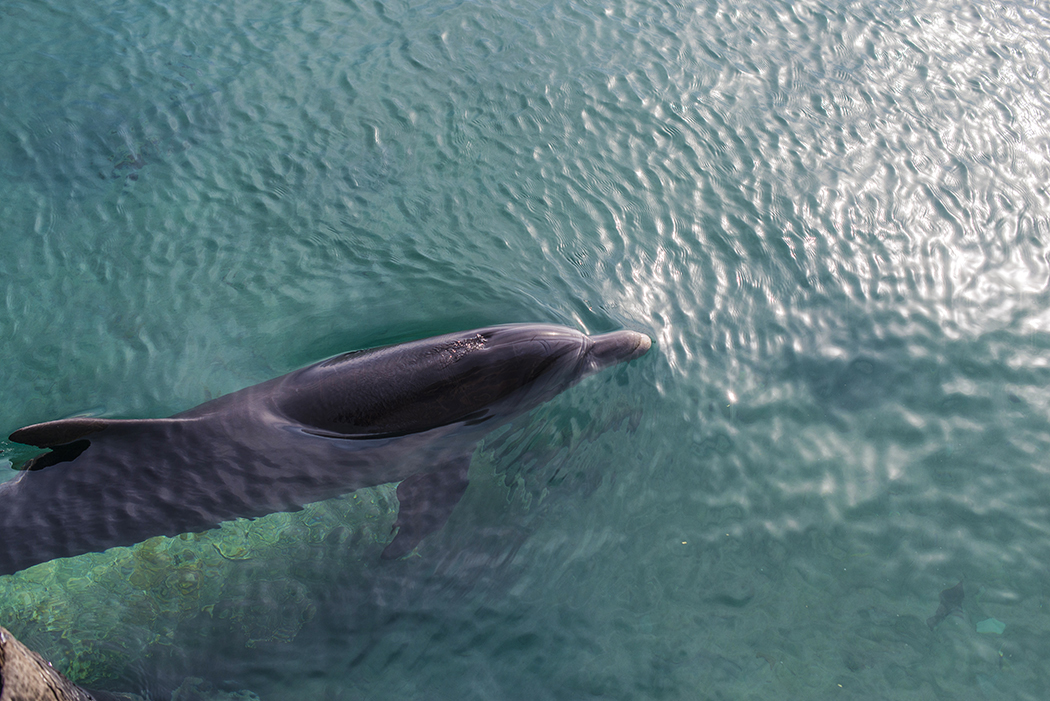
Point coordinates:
pixel 409 413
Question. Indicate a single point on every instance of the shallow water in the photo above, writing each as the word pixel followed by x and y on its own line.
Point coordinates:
pixel 831 217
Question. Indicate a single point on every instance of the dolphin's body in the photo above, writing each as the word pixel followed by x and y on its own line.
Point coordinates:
pixel 411 412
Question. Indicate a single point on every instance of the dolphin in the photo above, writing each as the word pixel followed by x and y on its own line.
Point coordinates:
pixel 409 413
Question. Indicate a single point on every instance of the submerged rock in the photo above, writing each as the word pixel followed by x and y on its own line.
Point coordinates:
pixel 26 676
pixel 100 613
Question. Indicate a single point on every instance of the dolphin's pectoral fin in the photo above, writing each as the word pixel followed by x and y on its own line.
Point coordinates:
pixel 427 500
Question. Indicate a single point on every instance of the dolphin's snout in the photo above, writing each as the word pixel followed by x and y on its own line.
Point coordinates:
pixel 617 347
pixel 644 344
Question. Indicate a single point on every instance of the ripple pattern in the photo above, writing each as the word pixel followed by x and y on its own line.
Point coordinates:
pixel 831 215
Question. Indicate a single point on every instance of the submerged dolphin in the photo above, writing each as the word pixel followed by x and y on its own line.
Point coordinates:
pixel 411 412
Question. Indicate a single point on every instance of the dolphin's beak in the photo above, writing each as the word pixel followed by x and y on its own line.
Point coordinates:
pixel 617 347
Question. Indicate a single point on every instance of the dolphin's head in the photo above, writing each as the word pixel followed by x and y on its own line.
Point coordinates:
pixel 469 377
pixel 526 364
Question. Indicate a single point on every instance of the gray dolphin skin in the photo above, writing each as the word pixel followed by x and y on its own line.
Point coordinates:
pixel 409 413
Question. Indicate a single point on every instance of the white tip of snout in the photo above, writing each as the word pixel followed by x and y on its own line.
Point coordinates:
pixel 618 347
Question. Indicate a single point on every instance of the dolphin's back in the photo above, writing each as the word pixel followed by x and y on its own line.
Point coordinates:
pixel 412 387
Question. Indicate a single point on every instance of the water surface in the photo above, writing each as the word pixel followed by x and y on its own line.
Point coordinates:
pixel 830 216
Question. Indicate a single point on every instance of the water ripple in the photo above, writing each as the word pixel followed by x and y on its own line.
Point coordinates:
pixel 829 215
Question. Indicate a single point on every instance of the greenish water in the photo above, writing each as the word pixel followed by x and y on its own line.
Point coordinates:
pixel 832 218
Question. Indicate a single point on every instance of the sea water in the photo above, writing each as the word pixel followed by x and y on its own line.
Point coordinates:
pixel 832 217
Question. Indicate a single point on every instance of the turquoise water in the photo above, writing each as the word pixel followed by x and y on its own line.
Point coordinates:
pixel 831 217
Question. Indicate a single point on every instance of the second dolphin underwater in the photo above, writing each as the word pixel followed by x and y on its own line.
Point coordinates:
pixel 410 413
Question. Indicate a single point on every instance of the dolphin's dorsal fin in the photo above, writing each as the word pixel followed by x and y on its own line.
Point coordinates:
pixel 55 433
pixel 427 500
pixel 59 432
